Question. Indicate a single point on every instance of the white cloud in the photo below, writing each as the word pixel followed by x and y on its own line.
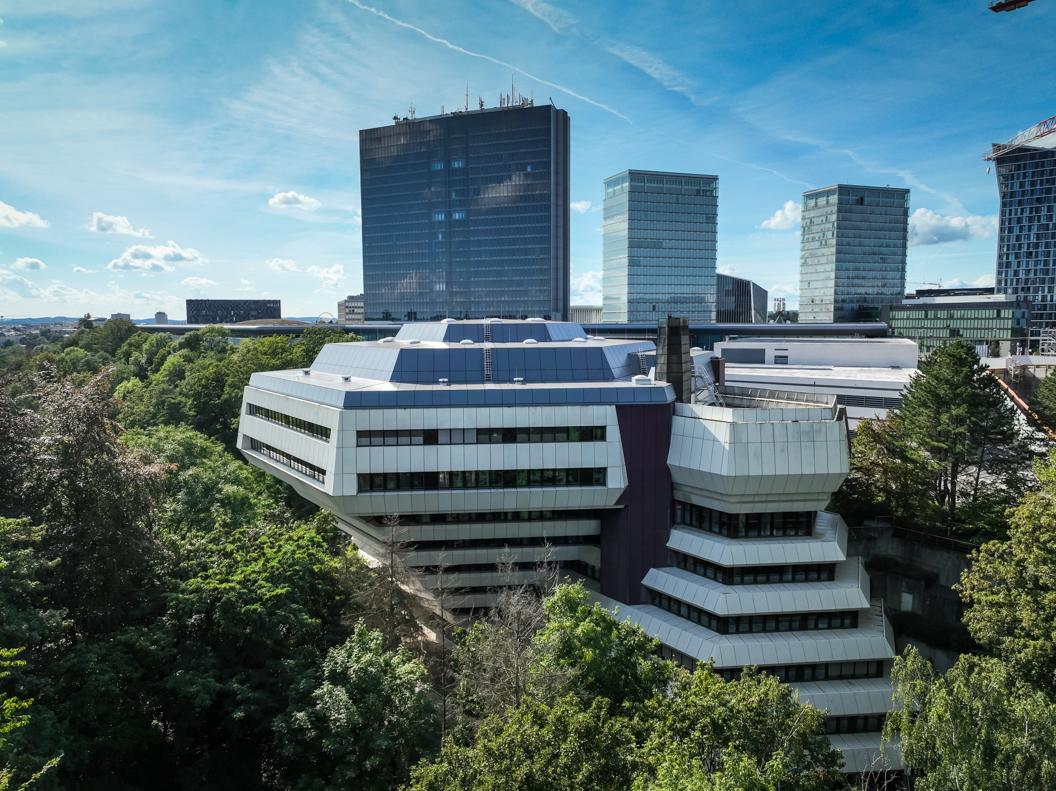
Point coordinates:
pixel 245 285
pixel 580 206
pixel 983 281
pixel 655 67
pixel 34 264
pixel 291 199
pixel 559 21
pixel 10 217
pixel 928 227
pixel 283 265
pixel 197 282
pixel 115 223
pixel 330 276
pixel 14 286
pixel 785 218
pixel 586 288
pixel 726 269
pixel 82 271
pixel 155 258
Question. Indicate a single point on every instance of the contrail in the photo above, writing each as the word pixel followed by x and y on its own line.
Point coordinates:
pixel 462 50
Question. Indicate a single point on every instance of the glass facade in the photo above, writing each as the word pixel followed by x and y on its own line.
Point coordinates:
pixel 853 252
pixel 1026 243
pixel 993 327
pixel 739 301
pixel 231 311
pixel 659 246
pixel 465 215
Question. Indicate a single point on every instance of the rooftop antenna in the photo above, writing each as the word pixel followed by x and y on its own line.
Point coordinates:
pixel 480 102
pixel 467 97
pixel 410 111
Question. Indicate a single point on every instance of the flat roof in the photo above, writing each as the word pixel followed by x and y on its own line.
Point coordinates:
pixel 808 373
pixel 678 174
pixel 765 339
pixel 857 187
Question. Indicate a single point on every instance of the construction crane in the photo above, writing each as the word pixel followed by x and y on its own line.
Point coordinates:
pixel 1009 5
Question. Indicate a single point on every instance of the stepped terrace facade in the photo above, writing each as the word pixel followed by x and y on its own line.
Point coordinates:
pixel 488 448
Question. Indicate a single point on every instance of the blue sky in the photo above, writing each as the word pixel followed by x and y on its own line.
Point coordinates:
pixel 153 150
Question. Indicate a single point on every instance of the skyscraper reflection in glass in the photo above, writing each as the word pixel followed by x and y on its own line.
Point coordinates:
pixel 853 252
pixel 465 215
pixel 1026 240
pixel 659 246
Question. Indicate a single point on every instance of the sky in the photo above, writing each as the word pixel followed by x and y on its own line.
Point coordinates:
pixel 152 151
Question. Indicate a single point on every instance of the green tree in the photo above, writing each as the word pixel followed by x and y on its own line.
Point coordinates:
pixel 13 717
pixel 361 722
pixel 96 498
pixel 751 727
pixel 1010 588
pixel 314 338
pixel 567 746
pixel 1044 401
pixel 975 727
pixel 594 653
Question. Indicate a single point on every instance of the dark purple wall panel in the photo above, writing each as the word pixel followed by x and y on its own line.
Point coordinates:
pixel 634 537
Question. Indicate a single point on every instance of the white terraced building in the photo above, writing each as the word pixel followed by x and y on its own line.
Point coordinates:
pixel 523 441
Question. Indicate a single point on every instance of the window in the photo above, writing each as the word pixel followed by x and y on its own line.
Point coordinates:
pixel 438 216
pixel 437 164
pixel 458 163
pixel 755 575
pixel 290 422
pixel 779 524
pixel 458 214
pixel 780 359
pixel 752 624
pixel 287 460
pixel 480 436
pixel 480 479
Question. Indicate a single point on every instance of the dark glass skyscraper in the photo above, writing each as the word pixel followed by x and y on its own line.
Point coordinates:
pixel 739 301
pixel 1026 242
pixel 659 246
pixel 465 215
pixel 853 252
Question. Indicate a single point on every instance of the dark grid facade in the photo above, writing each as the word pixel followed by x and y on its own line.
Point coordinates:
pixel 466 216
pixel 1026 243
pixel 739 300
pixel 231 311
pixel 853 252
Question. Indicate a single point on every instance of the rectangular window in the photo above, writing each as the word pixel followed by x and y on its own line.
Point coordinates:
pixel 287 460
pixel 288 421
pixel 483 436
pixel 481 479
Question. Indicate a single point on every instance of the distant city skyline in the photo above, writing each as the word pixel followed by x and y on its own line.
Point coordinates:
pixel 135 176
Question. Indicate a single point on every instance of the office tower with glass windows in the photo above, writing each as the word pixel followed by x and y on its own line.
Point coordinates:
pixel 659 246
pixel 1026 241
pixel 739 301
pixel 853 252
pixel 465 215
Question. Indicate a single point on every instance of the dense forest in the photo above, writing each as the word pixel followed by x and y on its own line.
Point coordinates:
pixel 171 617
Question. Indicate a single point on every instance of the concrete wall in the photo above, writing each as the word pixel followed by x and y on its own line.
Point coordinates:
pixel 852 352
pixel 915 574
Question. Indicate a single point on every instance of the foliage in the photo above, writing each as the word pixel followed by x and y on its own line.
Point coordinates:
pixel 567 746
pixel 361 722
pixel 951 454
pixel 599 655
pixel 974 727
pixel 1010 588
pixel 1044 401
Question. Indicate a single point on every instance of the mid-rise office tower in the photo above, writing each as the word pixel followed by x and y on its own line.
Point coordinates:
pixel 696 510
pixel 659 246
pixel 465 215
pixel 853 252
pixel 1026 241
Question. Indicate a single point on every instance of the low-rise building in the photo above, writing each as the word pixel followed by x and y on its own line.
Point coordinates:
pixel 867 376
pixel 996 325
pixel 482 448
pixel 231 311
pixel 350 309
pixel 739 301
pixel 585 314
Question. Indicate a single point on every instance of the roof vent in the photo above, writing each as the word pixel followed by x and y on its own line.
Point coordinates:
pixel 466 341
pixel 447 321
pixel 598 338
pixel 390 339
pixel 535 318
pixel 414 341
pixel 530 340
pixel 518 380
pixel 444 382
pixel 580 340
pixel 346 378
pixel 307 371
pixel 695 350
pixel 641 379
